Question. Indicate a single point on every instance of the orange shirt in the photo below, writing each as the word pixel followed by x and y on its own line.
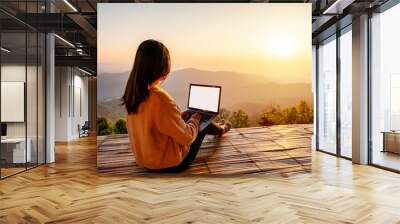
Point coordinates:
pixel 159 136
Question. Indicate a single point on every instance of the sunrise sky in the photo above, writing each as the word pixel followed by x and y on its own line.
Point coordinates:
pixel 255 38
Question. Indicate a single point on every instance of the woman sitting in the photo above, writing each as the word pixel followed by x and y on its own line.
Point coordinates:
pixel 162 138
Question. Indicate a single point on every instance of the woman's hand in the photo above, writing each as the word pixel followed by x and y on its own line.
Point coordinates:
pixel 186 115
pixel 196 116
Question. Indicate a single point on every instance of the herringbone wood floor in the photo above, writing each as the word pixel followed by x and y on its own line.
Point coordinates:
pixel 71 191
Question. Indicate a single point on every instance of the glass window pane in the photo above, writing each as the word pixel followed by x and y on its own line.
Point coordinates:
pixel 31 97
pixel 32 87
pixel 41 98
pixel 346 94
pixel 386 89
pixel 327 97
pixel 14 153
pixel 23 86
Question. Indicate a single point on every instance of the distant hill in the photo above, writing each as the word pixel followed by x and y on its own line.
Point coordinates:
pixel 252 93
pixel 238 89
pixel 112 109
pixel 111 85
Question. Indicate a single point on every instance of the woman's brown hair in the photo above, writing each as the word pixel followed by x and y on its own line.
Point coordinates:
pixel 152 61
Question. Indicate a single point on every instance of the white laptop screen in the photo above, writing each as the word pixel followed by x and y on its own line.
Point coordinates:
pixel 204 98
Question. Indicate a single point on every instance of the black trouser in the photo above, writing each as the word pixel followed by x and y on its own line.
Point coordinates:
pixel 212 129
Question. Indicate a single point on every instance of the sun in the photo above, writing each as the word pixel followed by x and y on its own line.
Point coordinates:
pixel 282 47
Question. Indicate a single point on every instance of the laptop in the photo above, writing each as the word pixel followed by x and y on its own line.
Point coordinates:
pixel 204 99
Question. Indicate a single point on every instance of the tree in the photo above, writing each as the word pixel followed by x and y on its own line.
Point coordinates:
pixel 272 116
pixel 104 126
pixel 120 127
pixel 266 119
pixel 289 115
pixel 239 119
pixel 304 113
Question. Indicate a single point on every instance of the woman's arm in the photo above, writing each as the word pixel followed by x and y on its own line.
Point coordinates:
pixel 170 122
pixel 186 115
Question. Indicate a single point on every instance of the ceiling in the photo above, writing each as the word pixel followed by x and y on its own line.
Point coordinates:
pixel 75 21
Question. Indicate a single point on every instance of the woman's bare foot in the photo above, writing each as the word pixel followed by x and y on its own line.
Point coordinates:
pixel 225 127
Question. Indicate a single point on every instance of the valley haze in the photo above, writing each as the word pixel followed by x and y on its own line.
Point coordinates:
pixel 249 92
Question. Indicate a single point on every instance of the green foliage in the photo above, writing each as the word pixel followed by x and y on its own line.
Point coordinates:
pixel 305 113
pixel 120 127
pixel 239 119
pixel 111 109
pixel 290 115
pixel 302 113
pixel 104 126
pixel 271 117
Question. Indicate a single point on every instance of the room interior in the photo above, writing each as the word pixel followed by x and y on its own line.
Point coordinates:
pixel 22 105
pixel 49 173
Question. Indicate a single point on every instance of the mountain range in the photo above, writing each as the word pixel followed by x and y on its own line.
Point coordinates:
pixel 249 92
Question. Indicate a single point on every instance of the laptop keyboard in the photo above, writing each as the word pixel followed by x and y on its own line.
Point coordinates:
pixel 205 117
pixel 205 120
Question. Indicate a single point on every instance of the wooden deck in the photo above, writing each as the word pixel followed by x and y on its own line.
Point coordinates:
pixel 283 149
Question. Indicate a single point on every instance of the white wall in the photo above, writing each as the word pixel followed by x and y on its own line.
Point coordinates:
pixel 80 110
pixel 12 73
pixel 62 82
pixel 70 83
pixel 33 126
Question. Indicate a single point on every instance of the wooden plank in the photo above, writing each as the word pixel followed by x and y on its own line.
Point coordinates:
pixel 275 149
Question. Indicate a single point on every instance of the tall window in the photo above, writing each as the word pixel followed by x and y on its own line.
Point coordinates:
pixel 385 87
pixel 327 96
pixel 346 93
pixel 15 147
pixel 22 77
pixel 394 101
